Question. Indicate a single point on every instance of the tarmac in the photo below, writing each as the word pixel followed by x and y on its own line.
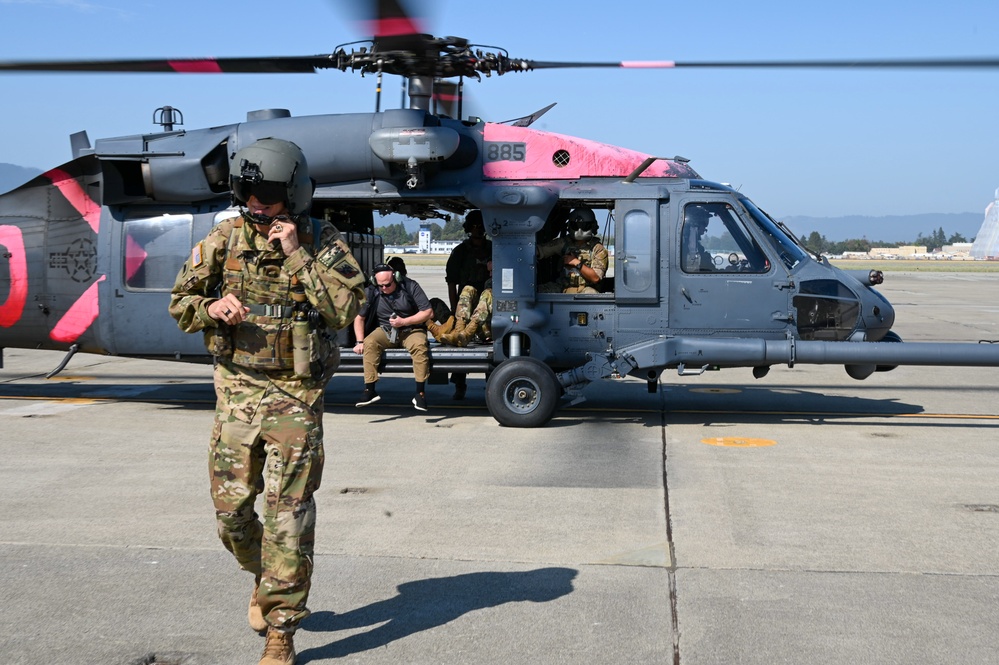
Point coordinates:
pixel 802 518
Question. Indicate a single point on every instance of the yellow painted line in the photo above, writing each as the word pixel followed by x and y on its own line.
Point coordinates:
pixel 738 442
pixel 59 377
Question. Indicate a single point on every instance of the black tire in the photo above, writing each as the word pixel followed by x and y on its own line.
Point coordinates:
pixel 890 336
pixel 522 392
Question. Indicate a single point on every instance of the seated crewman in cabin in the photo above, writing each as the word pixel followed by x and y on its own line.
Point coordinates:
pixel 584 257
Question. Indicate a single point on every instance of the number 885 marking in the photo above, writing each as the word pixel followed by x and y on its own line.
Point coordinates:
pixel 506 152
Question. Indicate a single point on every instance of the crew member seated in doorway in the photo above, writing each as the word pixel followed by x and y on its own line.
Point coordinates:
pixel 584 257
pixel 467 269
pixel 394 316
pixel 471 322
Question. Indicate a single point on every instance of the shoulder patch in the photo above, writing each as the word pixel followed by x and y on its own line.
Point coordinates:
pixel 334 256
pixel 198 255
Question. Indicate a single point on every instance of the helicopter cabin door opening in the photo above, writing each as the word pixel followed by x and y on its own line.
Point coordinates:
pixel 625 305
pixel 725 282
pixel 149 247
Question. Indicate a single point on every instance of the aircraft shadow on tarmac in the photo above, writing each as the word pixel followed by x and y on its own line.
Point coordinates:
pixel 426 604
pixel 675 403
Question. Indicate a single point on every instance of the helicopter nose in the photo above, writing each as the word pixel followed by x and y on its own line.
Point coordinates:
pixel 879 315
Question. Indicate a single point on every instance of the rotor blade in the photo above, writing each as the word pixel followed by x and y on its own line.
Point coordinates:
pixel 393 25
pixel 391 19
pixel 266 65
pixel 916 63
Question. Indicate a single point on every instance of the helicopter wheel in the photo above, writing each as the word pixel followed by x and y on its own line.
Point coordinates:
pixel 522 392
pixel 890 336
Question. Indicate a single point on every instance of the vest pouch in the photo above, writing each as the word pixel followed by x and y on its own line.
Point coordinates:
pixel 218 341
pixel 325 354
pixel 264 343
pixel 303 351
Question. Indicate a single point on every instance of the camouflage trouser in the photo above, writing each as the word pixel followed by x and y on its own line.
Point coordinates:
pixel 278 452
pixel 475 306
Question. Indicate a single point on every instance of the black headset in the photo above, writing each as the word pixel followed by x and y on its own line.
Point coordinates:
pixel 384 267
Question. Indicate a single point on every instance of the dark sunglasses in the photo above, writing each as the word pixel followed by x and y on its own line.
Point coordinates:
pixel 267 192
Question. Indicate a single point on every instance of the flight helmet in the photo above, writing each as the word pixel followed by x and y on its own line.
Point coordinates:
pixel 274 171
pixel 472 219
pixel 697 215
pixel 582 224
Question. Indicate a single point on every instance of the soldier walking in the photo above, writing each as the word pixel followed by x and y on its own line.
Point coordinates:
pixel 268 288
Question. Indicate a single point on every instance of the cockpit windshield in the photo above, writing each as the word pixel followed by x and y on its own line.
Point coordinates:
pixel 790 253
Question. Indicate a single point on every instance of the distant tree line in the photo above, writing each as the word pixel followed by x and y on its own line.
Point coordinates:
pixel 936 240
pixel 396 234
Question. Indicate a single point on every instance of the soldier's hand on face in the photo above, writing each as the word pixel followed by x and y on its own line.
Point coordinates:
pixel 228 309
pixel 284 231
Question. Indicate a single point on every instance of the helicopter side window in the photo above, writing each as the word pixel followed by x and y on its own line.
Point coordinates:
pixel 714 240
pixel 155 249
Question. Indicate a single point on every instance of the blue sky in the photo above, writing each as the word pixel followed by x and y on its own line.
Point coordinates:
pixel 820 143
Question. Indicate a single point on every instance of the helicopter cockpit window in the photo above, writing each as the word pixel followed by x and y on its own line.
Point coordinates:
pixel 790 253
pixel 155 249
pixel 715 240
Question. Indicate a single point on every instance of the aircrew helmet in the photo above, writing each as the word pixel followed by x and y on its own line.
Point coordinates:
pixel 582 224
pixel 274 171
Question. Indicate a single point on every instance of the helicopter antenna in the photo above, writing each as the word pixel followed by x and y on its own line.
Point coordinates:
pixel 166 117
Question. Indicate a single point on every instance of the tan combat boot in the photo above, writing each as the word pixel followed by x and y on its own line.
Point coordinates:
pixel 467 334
pixel 440 329
pixel 451 338
pixel 254 614
pixel 279 649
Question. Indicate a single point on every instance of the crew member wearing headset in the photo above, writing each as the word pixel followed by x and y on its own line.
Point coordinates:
pixel 395 315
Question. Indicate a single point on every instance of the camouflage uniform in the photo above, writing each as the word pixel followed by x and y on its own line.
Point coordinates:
pixel 591 252
pixel 268 432
pixel 475 306
pixel 468 264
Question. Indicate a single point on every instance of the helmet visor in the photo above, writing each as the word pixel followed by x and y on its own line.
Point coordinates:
pixel 267 192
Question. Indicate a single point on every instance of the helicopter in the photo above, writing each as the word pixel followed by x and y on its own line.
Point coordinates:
pixel 704 279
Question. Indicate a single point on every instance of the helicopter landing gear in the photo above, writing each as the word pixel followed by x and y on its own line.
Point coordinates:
pixel 522 392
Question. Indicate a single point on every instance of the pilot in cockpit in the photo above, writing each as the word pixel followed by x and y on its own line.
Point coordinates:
pixel 693 255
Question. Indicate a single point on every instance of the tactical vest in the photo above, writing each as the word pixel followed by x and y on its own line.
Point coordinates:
pixel 570 276
pixel 264 340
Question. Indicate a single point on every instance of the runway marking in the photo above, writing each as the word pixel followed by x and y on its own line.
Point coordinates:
pixel 738 442
pixel 717 391
pixel 48 407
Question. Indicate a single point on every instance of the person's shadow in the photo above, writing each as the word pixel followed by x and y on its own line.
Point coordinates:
pixel 430 603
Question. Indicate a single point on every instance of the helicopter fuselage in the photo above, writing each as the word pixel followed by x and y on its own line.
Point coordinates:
pixel 91 250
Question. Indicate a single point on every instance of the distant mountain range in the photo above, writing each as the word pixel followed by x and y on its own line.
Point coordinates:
pixel 889 229
pixel 12 175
